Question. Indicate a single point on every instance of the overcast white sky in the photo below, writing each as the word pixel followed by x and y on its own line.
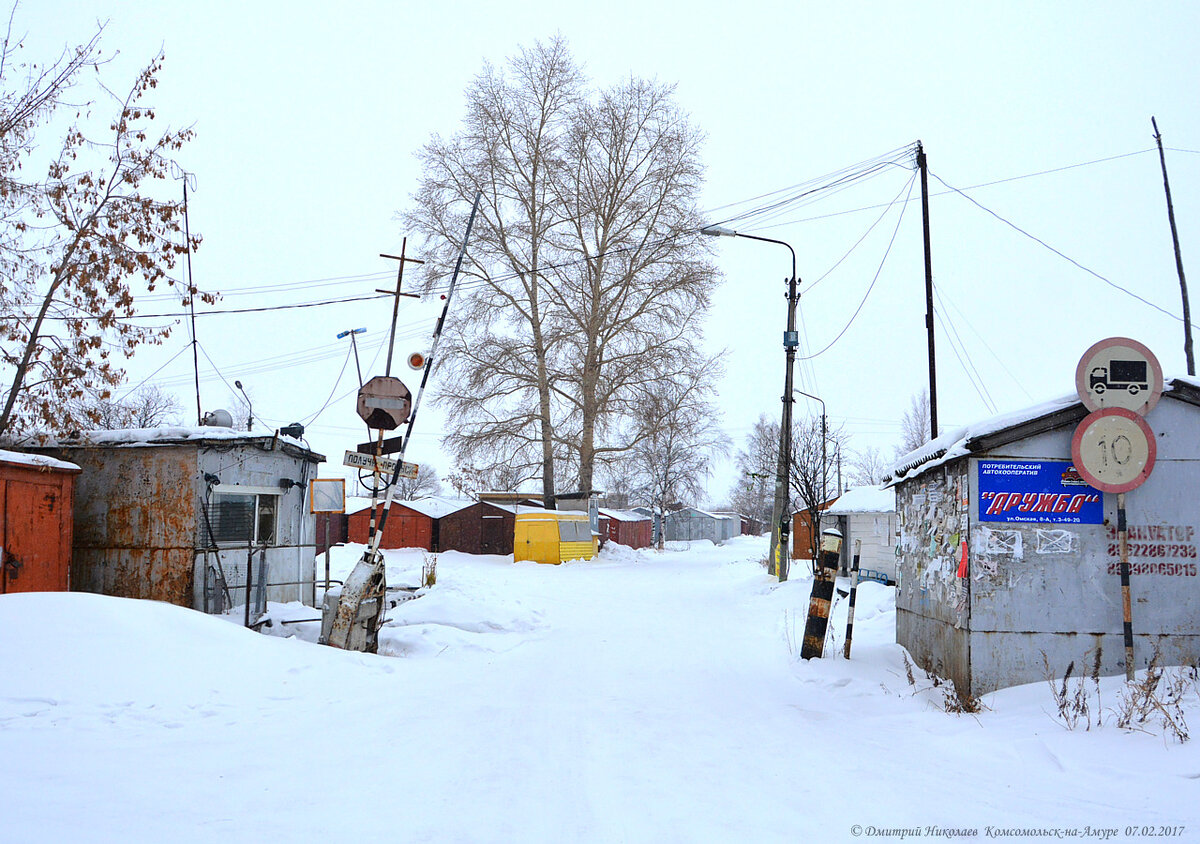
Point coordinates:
pixel 308 119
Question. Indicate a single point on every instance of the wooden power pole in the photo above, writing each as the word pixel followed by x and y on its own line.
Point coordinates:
pixel 1187 309
pixel 924 168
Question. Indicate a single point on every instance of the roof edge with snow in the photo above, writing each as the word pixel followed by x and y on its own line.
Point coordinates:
pixel 1006 428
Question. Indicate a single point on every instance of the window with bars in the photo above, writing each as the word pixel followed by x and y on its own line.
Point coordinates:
pixel 243 518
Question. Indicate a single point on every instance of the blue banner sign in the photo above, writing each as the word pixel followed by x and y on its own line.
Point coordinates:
pixel 1037 491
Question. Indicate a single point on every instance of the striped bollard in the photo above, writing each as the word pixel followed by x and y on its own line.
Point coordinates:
pixel 853 592
pixel 822 595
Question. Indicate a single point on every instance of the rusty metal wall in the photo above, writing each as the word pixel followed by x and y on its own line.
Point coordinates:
pixel 1054 588
pixel 135 512
pixel 478 529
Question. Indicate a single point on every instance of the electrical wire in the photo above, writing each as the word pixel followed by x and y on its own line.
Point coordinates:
pixel 336 381
pixel 139 384
pixel 943 296
pixel 888 251
pixel 964 359
pixel 870 229
pixel 1062 255
pixel 973 187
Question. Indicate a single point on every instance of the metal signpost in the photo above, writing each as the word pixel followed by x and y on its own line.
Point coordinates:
pixel 1113 448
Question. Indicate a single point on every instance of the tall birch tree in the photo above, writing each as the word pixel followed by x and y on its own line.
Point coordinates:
pixel 589 282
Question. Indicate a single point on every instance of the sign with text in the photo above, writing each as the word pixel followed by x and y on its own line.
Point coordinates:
pixel 386 465
pixel 1048 491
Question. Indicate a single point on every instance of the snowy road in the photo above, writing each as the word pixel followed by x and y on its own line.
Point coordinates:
pixel 641 697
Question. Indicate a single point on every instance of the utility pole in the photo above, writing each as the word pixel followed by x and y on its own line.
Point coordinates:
pixel 396 303
pixel 923 166
pixel 179 173
pixel 839 461
pixel 1187 309
pixel 781 516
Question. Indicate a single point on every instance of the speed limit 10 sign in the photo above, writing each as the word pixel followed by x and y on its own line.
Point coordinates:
pixel 1114 449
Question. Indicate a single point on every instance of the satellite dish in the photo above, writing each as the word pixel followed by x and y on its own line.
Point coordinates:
pixel 217 419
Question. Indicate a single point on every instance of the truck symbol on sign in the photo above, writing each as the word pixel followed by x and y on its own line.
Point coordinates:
pixel 1119 375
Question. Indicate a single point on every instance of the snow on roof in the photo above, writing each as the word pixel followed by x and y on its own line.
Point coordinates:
pixel 707 513
pixel 433 506
pixel 957 443
pixel 523 508
pixel 436 507
pixel 623 515
pixel 864 499
pixel 38 461
pixel 168 434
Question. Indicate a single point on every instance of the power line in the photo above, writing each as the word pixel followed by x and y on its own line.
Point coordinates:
pixel 964 359
pixel 943 296
pixel 887 252
pixel 976 186
pixel 1062 255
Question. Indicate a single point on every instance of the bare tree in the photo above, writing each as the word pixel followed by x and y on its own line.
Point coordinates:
pixel 676 442
pixel 590 279
pixel 426 483
pixel 629 300
pixel 72 243
pixel 914 425
pixel 497 351
pixel 753 494
pixel 812 469
pixel 868 467
pixel 148 407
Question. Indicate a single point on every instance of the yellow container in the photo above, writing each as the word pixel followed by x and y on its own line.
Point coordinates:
pixel 551 537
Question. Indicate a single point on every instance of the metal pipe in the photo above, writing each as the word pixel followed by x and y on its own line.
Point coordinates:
pixel 1126 602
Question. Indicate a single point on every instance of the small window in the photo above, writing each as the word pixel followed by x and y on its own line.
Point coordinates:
pixel 574 531
pixel 241 518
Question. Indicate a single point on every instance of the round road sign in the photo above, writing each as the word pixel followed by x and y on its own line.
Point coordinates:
pixel 1119 372
pixel 1114 449
pixel 384 403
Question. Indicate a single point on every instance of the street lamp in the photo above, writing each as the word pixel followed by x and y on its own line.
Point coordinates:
pixel 824 459
pixel 249 406
pixel 780 516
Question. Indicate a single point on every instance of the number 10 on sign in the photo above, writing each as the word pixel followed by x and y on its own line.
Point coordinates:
pixel 1114 450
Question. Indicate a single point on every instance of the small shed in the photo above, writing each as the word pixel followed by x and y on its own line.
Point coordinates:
pixel 729 524
pixel 751 526
pixel 867 515
pixel 803 534
pixel 691 524
pixel 36 522
pixel 410 524
pixel 655 521
pixel 182 515
pixel 485 527
pixel 626 527
pixel 1006 553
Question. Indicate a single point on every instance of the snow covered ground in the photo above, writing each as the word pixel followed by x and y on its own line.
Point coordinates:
pixel 639 697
